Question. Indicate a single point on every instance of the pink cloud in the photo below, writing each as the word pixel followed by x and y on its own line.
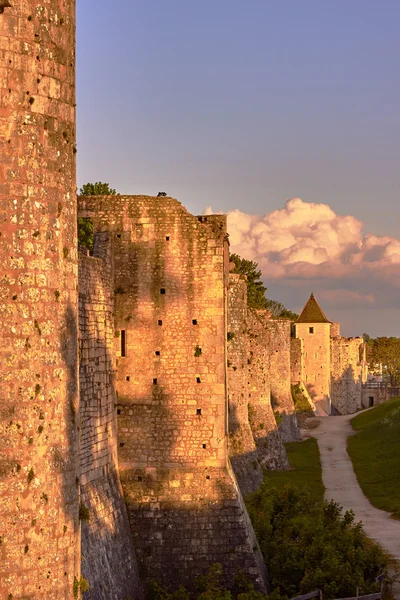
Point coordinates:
pixel 310 241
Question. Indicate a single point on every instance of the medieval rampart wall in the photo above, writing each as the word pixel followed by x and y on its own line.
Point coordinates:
pixel 373 395
pixel 169 286
pixel 267 435
pixel 296 351
pixel 109 560
pixel 242 447
pixel 278 344
pixel 347 374
pixel 39 526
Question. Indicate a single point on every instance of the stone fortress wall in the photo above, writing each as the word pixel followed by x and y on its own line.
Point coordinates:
pixel 39 408
pixel 109 561
pixel 348 373
pixel 255 441
pixel 169 287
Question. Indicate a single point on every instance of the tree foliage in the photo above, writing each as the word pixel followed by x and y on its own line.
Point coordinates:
pixel 386 351
pixel 85 226
pixel 85 233
pixel 310 546
pixel 256 289
pixel 97 189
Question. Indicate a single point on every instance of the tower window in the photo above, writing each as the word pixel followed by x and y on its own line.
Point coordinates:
pixel 311 330
pixel 123 342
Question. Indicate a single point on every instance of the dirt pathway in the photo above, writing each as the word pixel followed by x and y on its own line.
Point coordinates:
pixel 342 486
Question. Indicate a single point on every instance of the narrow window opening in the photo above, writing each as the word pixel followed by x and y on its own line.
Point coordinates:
pixel 311 329
pixel 122 444
pixel 119 236
pixel 123 342
pixel 167 238
pixel 118 411
pixel 207 477
pixel 155 381
pixel 198 380
pixel 160 322
pixel 162 291
pixel 198 411
pixel 128 378
pixel 204 446
pixel 158 353
pixel 194 322
pixel 370 400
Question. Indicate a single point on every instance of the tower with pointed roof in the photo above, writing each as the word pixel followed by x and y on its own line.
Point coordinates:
pixel 314 330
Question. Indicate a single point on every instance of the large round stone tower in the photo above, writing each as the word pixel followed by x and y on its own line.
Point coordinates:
pixel 39 498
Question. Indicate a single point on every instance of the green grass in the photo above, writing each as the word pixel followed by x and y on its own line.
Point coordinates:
pixel 306 470
pixel 375 454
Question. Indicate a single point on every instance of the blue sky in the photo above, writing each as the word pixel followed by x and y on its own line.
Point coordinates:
pixel 242 105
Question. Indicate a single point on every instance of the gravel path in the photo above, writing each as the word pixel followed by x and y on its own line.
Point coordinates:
pixel 342 486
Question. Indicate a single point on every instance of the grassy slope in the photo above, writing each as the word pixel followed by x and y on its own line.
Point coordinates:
pixel 307 473
pixel 375 454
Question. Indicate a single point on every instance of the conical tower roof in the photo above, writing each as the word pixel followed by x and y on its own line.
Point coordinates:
pixel 312 312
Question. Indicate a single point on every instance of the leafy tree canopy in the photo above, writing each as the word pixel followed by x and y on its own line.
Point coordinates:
pixel 386 351
pixel 97 189
pixel 85 226
pixel 256 289
pixel 85 233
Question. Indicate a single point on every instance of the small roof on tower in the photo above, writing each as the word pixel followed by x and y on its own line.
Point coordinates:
pixel 312 312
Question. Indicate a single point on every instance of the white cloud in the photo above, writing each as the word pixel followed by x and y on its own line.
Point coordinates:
pixel 310 241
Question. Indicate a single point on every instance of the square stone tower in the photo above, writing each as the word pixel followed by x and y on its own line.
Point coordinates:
pixel 314 329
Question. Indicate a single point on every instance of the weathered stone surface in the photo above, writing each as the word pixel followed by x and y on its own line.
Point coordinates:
pixel 255 442
pixel 170 340
pixel 278 342
pixel 348 373
pixel 242 447
pixel 109 562
pixel 39 527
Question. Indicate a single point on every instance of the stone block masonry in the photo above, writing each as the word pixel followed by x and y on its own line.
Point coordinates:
pixel 242 446
pixel 109 561
pixel 278 343
pixel 170 340
pixel 39 418
pixel 348 373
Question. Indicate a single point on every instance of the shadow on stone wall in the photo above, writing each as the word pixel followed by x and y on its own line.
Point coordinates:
pixel 346 392
pixel 108 557
pixel 66 461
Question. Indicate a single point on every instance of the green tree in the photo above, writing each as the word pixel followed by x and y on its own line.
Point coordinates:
pixel 310 546
pixel 97 189
pixel 85 226
pixel 255 288
pixel 279 311
pixel 85 233
pixel 386 351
